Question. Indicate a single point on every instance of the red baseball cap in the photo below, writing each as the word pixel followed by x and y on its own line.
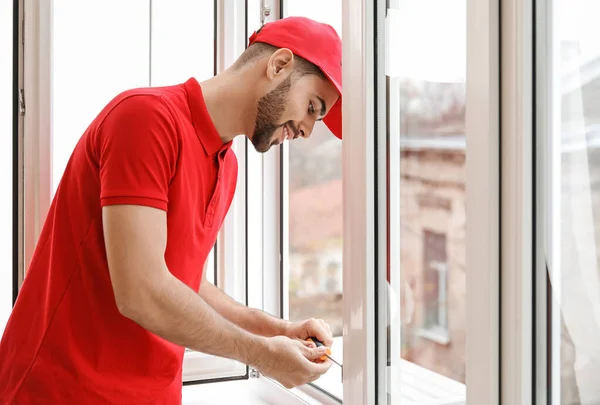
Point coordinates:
pixel 316 42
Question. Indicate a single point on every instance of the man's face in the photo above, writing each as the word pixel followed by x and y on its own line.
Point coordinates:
pixel 291 110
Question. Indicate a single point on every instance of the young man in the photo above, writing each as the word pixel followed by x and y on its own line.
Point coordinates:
pixel 115 289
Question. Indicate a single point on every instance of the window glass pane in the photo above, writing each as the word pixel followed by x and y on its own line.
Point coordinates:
pixel 6 149
pixel 100 48
pixel 569 156
pixel 182 41
pixel 315 215
pixel 425 74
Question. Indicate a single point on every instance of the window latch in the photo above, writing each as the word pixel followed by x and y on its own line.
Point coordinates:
pixel 21 101
pixel 253 373
pixel 265 12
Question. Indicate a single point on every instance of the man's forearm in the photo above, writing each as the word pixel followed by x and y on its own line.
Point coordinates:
pixel 252 320
pixel 176 313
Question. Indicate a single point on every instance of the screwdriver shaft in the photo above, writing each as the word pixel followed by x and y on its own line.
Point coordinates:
pixel 332 359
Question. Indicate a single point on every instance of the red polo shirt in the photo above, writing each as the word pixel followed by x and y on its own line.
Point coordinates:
pixel 66 342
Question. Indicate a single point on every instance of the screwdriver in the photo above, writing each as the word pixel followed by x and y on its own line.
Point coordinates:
pixel 328 354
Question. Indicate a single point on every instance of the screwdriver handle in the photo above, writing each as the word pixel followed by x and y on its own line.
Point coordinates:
pixel 324 357
pixel 318 343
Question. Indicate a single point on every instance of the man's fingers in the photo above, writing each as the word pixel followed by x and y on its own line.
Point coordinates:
pixel 315 353
pixel 325 324
pixel 309 343
pixel 320 329
pixel 318 369
pixel 329 341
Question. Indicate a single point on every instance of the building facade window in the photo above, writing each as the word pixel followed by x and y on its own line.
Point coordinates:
pixel 435 287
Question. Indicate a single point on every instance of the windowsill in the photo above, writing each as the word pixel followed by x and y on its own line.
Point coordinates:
pixel 261 391
pixel 201 366
pixel 222 393
pixel 272 393
pixel 437 335
pixel 213 393
pixel 415 384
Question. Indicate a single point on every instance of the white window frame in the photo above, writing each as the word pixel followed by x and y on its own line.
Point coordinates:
pixel 18 264
pixel 516 205
pixel 276 233
pixel 268 237
pixel 36 126
pixel 552 310
pixel 7 111
pixel 483 200
pixel 259 253
pixel 548 203
pixel 484 225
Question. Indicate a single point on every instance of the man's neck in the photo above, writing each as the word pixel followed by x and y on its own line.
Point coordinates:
pixel 230 104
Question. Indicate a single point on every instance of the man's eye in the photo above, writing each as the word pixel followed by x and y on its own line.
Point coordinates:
pixel 311 108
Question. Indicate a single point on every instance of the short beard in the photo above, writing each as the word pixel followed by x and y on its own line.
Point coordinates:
pixel 269 110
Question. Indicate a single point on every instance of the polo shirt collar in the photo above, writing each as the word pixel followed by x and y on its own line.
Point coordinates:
pixel 203 124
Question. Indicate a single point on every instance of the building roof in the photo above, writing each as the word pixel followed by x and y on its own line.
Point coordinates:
pixel 432 142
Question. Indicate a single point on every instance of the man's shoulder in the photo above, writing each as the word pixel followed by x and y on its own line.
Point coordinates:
pixel 147 104
pixel 136 115
pixel 170 96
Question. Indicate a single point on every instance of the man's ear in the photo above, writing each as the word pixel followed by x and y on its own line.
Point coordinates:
pixel 280 61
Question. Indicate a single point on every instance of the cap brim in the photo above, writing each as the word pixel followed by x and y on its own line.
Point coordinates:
pixel 333 119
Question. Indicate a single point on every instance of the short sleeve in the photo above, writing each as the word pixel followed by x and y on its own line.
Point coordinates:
pixel 137 151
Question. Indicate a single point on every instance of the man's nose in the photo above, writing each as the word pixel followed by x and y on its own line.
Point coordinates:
pixel 305 130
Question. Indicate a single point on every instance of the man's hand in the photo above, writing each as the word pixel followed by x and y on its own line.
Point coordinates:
pixel 291 363
pixel 303 330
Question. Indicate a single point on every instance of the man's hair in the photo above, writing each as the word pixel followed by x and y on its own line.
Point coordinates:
pixel 259 49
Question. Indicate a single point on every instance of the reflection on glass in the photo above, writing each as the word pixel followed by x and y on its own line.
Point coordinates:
pixel 571 200
pixel 426 68
pixel 315 215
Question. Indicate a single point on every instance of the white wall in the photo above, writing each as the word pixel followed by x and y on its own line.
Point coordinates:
pixel 6 26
